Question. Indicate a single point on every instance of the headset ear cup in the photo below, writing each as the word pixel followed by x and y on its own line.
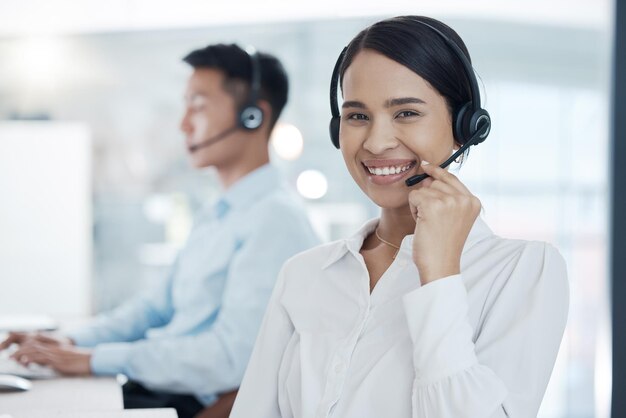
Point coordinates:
pixel 461 123
pixel 334 131
pixel 251 117
pixel 480 118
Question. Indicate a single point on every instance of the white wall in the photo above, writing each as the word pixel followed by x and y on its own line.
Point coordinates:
pixel 45 218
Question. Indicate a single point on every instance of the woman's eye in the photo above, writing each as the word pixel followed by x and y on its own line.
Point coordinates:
pixel 357 116
pixel 407 114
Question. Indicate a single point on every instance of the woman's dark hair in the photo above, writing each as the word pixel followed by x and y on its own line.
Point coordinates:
pixel 416 46
pixel 235 63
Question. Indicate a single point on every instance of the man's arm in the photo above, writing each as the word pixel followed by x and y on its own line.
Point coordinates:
pixel 130 321
pixel 214 361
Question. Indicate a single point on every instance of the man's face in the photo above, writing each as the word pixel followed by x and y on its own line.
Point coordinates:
pixel 209 112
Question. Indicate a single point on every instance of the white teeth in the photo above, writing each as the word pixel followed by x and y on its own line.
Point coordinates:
pixel 385 171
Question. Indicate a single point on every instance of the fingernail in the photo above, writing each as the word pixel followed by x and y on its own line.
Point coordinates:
pixel 424 162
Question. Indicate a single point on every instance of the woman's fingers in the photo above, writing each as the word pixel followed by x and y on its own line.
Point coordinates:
pixel 426 200
pixel 438 173
pixel 443 187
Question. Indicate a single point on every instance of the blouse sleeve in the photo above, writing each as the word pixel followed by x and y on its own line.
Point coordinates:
pixel 258 394
pixel 502 368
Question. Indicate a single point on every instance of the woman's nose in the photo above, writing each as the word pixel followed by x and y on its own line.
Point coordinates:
pixel 380 138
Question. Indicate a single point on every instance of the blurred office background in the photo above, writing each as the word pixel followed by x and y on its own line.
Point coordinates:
pixel 96 194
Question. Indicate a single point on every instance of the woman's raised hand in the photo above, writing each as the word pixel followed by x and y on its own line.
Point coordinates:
pixel 444 211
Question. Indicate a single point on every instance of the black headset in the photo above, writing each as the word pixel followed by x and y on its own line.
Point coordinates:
pixel 471 123
pixel 250 115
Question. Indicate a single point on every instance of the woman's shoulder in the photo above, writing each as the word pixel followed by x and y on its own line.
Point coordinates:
pixel 499 267
pixel 510 279
pixel 315 258
pixel 497 249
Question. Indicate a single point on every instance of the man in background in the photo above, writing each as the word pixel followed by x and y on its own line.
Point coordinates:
pixel 188 341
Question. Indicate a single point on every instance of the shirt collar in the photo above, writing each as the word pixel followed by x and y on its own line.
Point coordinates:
pixel 353 244
pixel 248 189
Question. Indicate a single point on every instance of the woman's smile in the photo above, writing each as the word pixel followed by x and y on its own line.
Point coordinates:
pixel 387 171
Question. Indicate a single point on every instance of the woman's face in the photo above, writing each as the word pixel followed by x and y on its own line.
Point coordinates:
pixel 391 120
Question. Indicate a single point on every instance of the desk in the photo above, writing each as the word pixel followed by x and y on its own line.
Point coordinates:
pixel 67 393
pixel 74 397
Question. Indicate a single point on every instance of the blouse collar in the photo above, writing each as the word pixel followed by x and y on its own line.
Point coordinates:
pixel 353 244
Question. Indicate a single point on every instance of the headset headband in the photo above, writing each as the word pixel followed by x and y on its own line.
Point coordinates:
pixel 255 77
pixel 467 67
pixel 251 115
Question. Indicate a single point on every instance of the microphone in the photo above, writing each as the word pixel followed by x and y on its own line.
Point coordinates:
pixel 474 139
pixel 214 139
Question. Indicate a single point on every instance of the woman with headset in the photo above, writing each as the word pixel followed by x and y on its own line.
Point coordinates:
pixel 424 312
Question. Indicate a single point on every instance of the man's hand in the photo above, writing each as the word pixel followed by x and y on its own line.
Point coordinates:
pixel 20 338
pixel 65 359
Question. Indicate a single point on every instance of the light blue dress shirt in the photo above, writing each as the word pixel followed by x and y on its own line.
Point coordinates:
pixel 195 333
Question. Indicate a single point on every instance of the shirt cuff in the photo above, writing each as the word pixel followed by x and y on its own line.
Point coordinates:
pixel 439 327
pixel 110 359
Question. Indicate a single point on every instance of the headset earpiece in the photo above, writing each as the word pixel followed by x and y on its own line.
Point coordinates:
pixel 334 130
pixel 335 119
pixel 479 119
pixel 468 121
pixel 250 115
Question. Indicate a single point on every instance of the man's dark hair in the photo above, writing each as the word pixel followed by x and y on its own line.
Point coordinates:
pixel 235 63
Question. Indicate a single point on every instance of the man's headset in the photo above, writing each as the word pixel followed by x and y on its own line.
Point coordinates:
pixel 471 124
pixel 249 115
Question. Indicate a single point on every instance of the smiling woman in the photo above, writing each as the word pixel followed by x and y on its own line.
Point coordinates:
pixel 424 312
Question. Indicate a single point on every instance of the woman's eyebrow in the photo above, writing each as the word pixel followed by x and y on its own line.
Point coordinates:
pixel 402 101
pixel 388 103
pixel 353 103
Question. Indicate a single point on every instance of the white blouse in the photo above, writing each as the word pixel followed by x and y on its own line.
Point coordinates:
pixel 481 344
